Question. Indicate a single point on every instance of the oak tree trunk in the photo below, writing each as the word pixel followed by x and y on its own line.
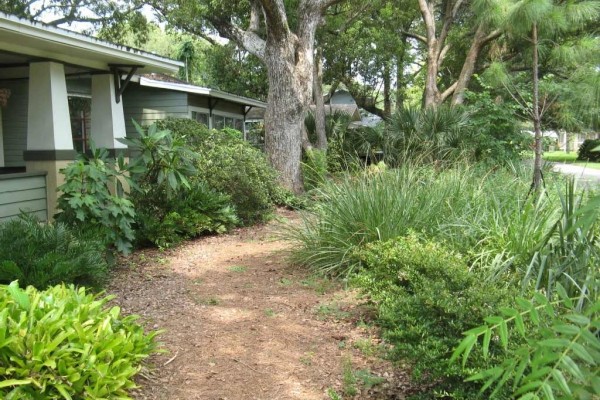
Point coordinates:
pixel 284 116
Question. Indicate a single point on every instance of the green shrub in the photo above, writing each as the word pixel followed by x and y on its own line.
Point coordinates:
pixel 165 221
pixel 92 199
pixel 426 298
pixel 231 166
pixel 587 150
pixel 41 255
pixel 171 204
pixel 63 343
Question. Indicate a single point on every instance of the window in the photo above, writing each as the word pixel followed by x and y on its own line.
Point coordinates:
pixel 80 112
pixel 200 117
pixel 222 121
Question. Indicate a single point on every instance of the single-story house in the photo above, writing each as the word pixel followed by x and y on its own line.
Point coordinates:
pixel 152 97
pixel 41 68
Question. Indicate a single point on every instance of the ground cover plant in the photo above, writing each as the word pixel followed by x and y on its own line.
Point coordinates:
pixel 42 255
pixel 64 343
pixel 387 231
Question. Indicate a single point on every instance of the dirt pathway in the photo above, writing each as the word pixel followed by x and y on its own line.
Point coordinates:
pixel 241 324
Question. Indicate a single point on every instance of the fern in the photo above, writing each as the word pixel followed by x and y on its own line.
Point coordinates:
pixel 558 355
pixel 47 254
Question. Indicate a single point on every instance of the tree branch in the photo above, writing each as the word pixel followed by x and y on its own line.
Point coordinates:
pixel 415 36
pixel 255 15
pixel 250 41
pixel 447 92
pixel 428 19
pixel 448 20
pixel 276 18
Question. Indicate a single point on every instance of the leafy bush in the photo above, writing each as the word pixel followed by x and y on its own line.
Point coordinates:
pixel 497 135
pixel 231 166
pixel 63 343
pixel 92 199
pixel 41 255
pixel 426 298
pixel 587 150
pixel 171 203
pixel 192 212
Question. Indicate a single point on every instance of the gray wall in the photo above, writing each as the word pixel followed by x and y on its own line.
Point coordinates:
pixel 14 122
pixel 146 105
pixel 25 192
pixel 197 100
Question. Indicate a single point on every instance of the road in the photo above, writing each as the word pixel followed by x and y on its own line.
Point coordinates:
pixel 585 175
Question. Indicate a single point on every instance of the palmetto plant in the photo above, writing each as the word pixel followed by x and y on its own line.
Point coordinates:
pixel 431 134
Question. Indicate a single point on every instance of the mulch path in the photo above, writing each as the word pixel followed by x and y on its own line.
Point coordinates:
pixel 240 323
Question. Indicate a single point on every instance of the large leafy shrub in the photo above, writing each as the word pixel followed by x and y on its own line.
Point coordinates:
pixel 63 343
pixel 230 165
pixel 172 203
pixel 41 254
pixel 587 150
pixel 497 136
pixel 92 198
pixel 426 298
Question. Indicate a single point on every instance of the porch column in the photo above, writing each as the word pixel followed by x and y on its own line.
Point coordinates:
pixel 49 139
pixel 1 141
pixel 108 119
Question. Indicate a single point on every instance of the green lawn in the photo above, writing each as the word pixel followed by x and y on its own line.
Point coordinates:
pixel 571 158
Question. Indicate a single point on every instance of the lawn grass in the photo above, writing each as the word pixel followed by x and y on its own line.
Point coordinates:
pixel 560 156
pixel 569 158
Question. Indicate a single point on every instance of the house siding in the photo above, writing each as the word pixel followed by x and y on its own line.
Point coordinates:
pixel 14 122
pixel 147 105
pixel 23 192
pixel 221 105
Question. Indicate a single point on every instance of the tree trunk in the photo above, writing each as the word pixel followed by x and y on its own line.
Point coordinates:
pixel 284 116
pixel 319 103
pixel 468 67
pixel 431 94
pixel 537 163
pixel 387 89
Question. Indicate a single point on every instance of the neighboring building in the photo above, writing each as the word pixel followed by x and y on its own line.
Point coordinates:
pixel 45 71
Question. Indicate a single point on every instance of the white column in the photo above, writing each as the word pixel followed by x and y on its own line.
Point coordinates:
pixel 1 141
pixel 48 120
pixel 108 120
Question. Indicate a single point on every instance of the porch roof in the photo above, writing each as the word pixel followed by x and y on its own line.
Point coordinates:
pixel 26 41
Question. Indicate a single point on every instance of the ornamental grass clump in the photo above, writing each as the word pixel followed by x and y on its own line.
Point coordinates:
pixel 64 343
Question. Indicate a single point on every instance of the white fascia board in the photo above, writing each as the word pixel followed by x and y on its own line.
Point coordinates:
pixel 217 94
pixel 61 43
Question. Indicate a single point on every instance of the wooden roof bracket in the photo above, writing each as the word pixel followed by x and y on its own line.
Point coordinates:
pixel 211 105
pixel 120 86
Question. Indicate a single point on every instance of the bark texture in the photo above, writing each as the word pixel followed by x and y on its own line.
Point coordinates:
pixel 288 57
pixel 319 102
pixel 437 48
